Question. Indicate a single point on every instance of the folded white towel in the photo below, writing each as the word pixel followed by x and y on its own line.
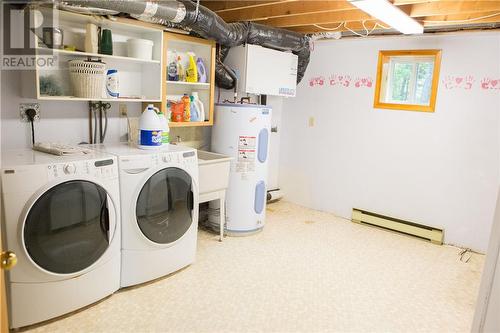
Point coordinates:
pixel 60 149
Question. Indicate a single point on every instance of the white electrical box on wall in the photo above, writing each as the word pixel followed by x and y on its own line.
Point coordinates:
pixel 264 71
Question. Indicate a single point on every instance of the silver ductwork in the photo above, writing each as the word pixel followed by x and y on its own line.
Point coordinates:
pixel 173 11
pixel 205 23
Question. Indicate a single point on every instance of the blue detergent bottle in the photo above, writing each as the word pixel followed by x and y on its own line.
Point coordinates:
pixel 195 113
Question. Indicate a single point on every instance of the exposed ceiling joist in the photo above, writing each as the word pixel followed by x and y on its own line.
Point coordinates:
pixel 411 2
pixel 306 15
pixel 453 7
pixel 430 21
pixel 356 26
pixel 280 9
pixel 224 6
pixel 318 18
pixel 457 19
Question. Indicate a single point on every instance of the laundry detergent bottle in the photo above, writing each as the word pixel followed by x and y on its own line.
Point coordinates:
pixel 192 70
pixel 150 129
pixel 199 106
pixel 172 69
pixel 187 107
pixel 195 115
pixel 202 71
pixel 181 75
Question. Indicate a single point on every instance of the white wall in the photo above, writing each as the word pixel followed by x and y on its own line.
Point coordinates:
pixel 438 169
pixel 65 122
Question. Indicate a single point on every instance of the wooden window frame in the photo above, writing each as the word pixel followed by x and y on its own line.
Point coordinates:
pixel 384 56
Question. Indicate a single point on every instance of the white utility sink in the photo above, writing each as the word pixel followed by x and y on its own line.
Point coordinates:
pixel 214 179
pixel 213 171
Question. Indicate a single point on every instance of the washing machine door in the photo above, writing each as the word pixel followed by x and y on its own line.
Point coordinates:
pixel 164 206
pixel 67 228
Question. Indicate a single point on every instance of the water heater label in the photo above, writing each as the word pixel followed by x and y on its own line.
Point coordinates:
pixel 247 142
pixel 246 155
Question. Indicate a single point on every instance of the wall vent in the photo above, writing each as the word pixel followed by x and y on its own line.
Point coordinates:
pixel 432 234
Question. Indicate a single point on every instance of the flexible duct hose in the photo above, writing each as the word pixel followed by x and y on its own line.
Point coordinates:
pixel 211 26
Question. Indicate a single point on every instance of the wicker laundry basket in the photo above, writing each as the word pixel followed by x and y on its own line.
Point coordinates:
pixel 87 78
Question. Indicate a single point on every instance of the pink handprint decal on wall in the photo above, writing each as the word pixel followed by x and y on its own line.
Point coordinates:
pixel 485 83
pixel 316 81
pixel 363 82
pixel 448 82
pixel 469 81
pixel 459 82
pixel 490 83
pixel 333 79
pixel 346 81
pixel 341 80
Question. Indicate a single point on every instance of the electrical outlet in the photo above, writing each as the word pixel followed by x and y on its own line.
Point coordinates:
pixel 311 121
pixel 25 106
pixel 122 107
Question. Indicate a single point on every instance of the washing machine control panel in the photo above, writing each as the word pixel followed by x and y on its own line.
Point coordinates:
pixel 69 168
pixel 183 158
pixel 189 159
pixel 101 168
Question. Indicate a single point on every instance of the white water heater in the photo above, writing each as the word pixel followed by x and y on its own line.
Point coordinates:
pixel 263 71
pixel 242 131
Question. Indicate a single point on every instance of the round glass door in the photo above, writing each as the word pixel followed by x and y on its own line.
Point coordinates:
pixel 164 206
pixel 67 228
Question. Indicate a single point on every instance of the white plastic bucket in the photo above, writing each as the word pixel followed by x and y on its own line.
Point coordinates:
pixel 140 48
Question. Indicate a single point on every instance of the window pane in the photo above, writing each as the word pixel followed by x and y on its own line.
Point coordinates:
pixel 400 82
pixel 424 83
pixel 407 80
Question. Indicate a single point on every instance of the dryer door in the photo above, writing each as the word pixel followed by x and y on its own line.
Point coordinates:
pixel 67 228
pixel 164 206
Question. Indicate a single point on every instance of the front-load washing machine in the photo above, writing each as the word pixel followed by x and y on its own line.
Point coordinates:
pixel 159 200
pixel 62 219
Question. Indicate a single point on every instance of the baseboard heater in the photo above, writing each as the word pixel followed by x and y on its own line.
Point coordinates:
pixel 432 234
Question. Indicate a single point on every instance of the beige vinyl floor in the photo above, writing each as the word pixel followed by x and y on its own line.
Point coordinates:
pixel 307 271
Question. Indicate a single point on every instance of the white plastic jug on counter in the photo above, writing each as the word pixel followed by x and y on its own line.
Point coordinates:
pixel 150 129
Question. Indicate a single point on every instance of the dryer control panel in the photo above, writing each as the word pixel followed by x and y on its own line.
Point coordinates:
pixel 138 163
pixel 186 159
pixel 102 168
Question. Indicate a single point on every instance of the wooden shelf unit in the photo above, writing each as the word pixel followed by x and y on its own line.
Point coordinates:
pixel 137 77
pixel 202 48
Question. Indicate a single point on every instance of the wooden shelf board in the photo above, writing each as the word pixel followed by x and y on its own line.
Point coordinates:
pixel 197 85
pixel 190 124
pixel 97 55
pixel 72 98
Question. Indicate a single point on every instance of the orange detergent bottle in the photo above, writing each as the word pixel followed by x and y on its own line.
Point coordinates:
pixel 187 107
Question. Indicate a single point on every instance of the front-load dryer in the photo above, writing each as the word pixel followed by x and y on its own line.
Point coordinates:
pixel 62 219
pixel 159 200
